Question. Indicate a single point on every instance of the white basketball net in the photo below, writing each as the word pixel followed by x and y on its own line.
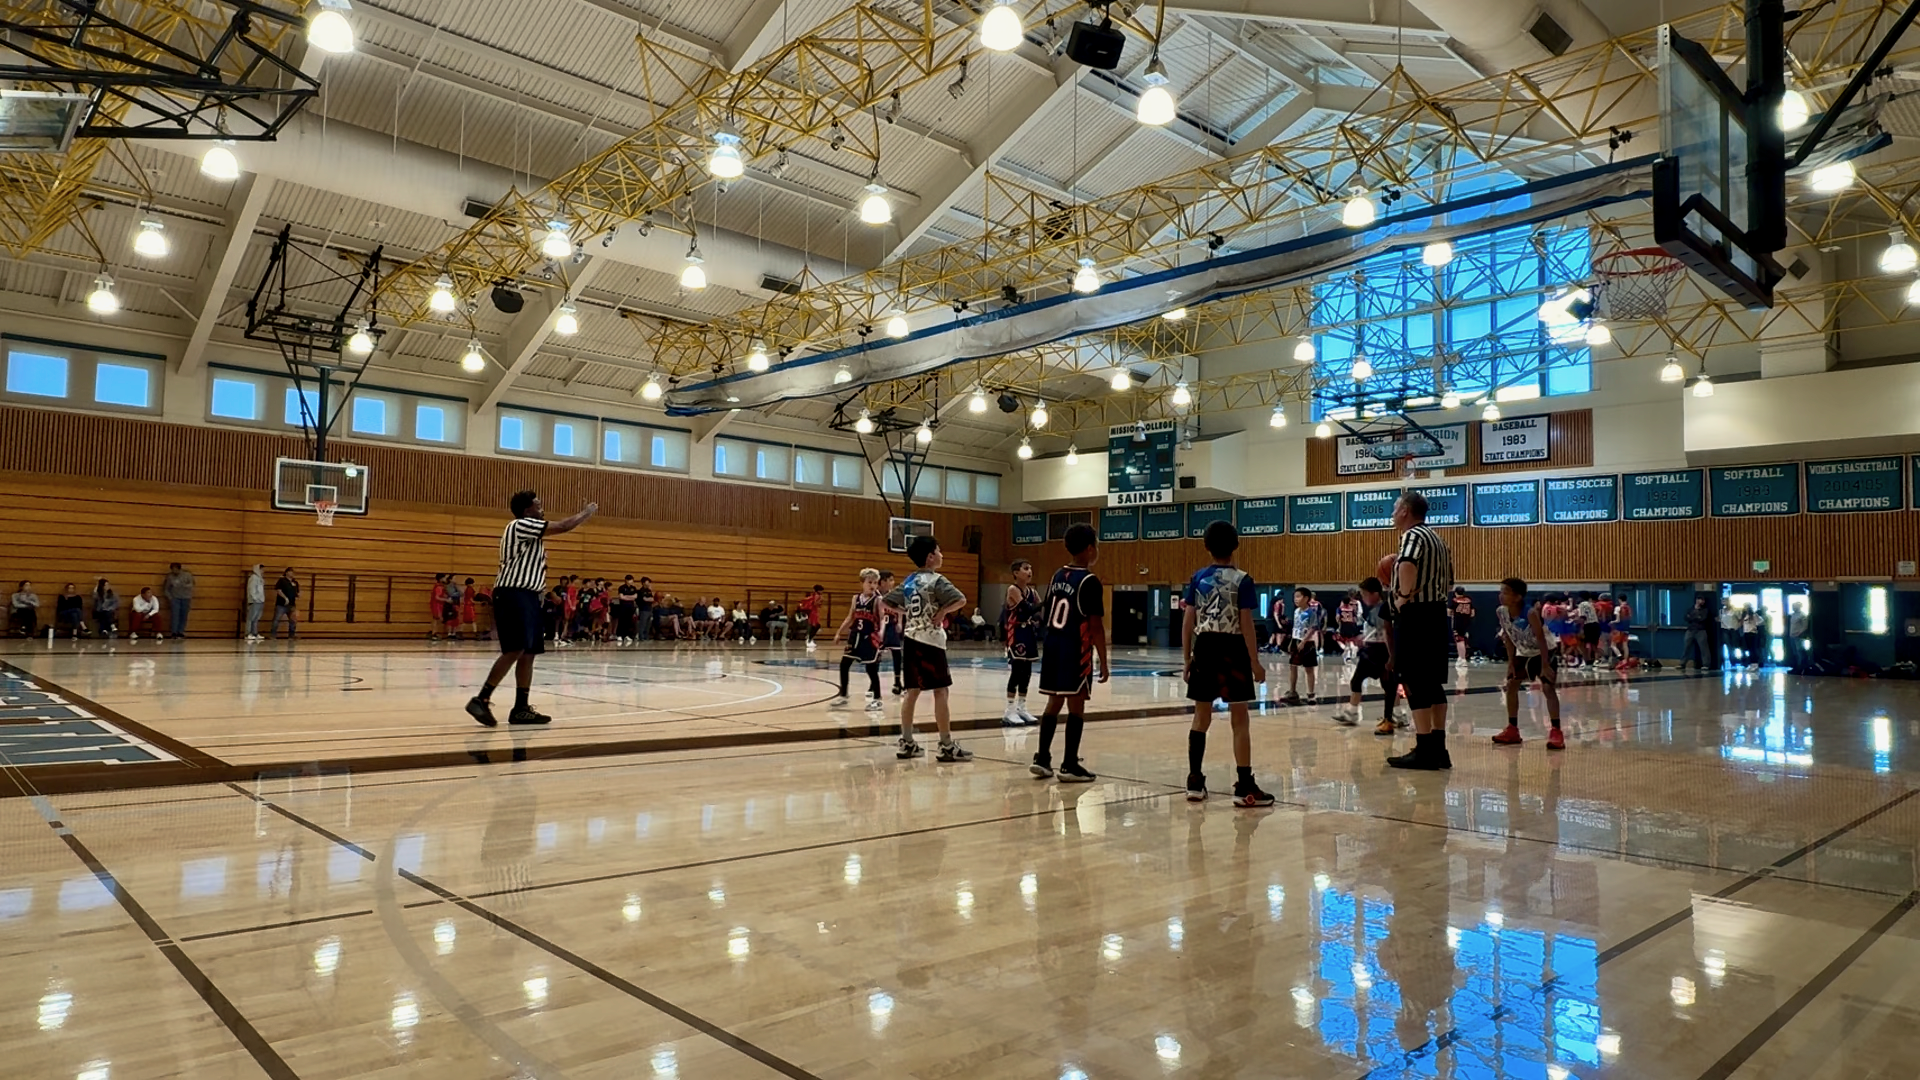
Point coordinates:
pixel 324 511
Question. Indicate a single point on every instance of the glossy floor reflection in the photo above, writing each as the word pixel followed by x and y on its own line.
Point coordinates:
pixel 1714 880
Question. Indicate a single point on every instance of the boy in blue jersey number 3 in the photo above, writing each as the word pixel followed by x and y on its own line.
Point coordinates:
pixel 1073 655
pixel 1222 662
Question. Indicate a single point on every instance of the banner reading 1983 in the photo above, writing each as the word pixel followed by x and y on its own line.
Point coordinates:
pixel 1756 490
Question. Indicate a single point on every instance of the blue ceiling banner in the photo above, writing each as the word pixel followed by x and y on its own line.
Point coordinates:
pixel 1163 522
pixel 1675 495
pixel 1756 490
pixel 1307 514
pixel 1371 509
pixel 1580 500
pixel 1200 515
pixel 1261 517
pixel 1029 528
pixel 1119 524
pixel 1856 485
pixel 1506 503
pixel 1446 503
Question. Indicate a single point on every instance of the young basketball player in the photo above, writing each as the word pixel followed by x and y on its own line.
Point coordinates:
pixel 890 636
pixel 1375 660
pixel 810 613
pixel 1073 656
pixel 516 605
pixel 862 627
pixel 925 600
pixel 1221 662
pixel 1303 650
pixel 1349 630
pixel 1462 623
pixel 1530 656
pixel 1022 619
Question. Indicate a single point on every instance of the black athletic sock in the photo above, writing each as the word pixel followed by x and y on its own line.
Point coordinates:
pixel 1438 741
pixel 1048 720
pixel 873 678
pixel 846 665
pixel 1555 721
pixel 486 692
pixel 1075 721
pixel 520 698
pixel 1243 774
pixel 1196 751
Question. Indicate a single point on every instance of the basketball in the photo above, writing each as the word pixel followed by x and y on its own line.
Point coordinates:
pixel 1384 571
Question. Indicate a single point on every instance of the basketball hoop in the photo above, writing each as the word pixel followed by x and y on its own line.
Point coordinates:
pixel 323 510
pixel 1635 284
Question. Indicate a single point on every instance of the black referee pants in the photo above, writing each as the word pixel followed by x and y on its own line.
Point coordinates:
pixel 1422 651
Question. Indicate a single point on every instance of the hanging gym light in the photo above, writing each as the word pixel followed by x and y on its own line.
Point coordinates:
pixel 1087 278
pixel 1899 257
pixel 1156 103
pixel 864 425
pixel 1182 397
pixel 329 30
pixel 923 434
pixel 1598 334
pixel 1026 448
pixel 1672 372
pixel 1437 254
pixel 218 163
pixel 1122 382
pixel 1000 28
pixel 1828 179
pixel 692 277
pixel 1175 315
pixel 1323 430
pixel 1039 415
pixel 102 301
pixel 842 375
pixel 151 240
pixel 361 343
pixel 724 161
pixel 1073 454
pixel 1703 386
pixel 1491 412
pixel 897 324
pixel 1362 368
pixel 442 299
pixel 1913 292
pixel 1279 417
pixel 977 403
pixel 1359 211
pixel 874 208
pixel 568 324
pixel 651 390
pixel 757 359
pixel 556 244
pixel 1450 400
pixel 1304 352
pixel 475 361
pixel 1794 112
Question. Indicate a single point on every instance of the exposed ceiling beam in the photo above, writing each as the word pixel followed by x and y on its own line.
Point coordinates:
pixel 216 276
pixel 656 28
pixel 1335 14
pixel 1010 123
pixel 528 332
pixel 755 35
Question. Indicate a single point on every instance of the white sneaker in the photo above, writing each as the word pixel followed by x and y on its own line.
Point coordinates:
pixel 875 705
pixel 133 637
pixel 810 646
pixel 753 640
pixel 1345 717
pixel 839 702
pixel 1025 716
pixel 1011 717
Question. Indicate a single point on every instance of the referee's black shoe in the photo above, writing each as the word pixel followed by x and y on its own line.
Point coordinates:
pixel 1429 753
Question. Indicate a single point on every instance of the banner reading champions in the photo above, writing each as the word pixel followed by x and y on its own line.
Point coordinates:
pixel 1847 487
pixel 1313 513
pixel 1371 509
pixel 1352 458
pixel 1261 517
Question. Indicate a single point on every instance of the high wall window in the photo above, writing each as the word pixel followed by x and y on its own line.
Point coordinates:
pixel 1475 320
pixel 236 397
pixel 51 373
pixel 303 407
pixel 849 473
pixel 371 415
pixel 272 401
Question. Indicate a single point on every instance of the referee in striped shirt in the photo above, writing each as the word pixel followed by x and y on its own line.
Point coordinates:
pixel 1423 631
pixel 517 620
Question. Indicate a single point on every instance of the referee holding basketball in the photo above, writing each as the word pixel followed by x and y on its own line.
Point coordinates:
pixel 517 620
pixel 1423 631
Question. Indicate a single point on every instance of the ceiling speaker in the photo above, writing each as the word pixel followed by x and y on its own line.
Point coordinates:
pixel 1098 47
pixel 506 301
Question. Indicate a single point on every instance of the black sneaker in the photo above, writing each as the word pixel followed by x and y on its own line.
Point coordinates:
pixel 1072 772
pixel 1292 698
pixel 1423 756
pixel 909 748
pixel 1196 787
pixel 482 711
pixel 1248 793
pixel 524 714
pixel 951 752
pixel 1041 767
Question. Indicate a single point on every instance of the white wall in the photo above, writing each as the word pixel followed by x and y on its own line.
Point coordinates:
pixel 1859 410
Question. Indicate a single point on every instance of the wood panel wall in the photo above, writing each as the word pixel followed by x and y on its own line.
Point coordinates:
pixel 1811 547
pixel 1569 446
pixel 89 496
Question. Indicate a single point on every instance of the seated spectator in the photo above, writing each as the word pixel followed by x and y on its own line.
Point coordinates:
pixel 979 622
pixel 146 615
pixel 773 620
pixel 106 609
pixel 23 614
pixel 741 630
pixel 69 612
pixel 718 625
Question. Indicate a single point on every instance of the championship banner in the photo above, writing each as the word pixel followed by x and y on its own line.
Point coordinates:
pixel 1120 524
pixel 1509 502
pixel 1261 517
pixel 1861 484
pixel 1524 438
pixel 1202 514
pixel 1756 490
pixel 1663 496
pixel 1029 528
pixel 1313 513
pixel 1577 500
pixel 1140 464
pixel 1163 522
pixel 1352 458
pixel 1371 509
pixel 1446 505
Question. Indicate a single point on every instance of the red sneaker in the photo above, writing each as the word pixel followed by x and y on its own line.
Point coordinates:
pixel 1509 736
pixel 1555 740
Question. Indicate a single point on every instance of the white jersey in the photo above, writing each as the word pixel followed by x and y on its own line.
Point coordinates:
pixel 1518 632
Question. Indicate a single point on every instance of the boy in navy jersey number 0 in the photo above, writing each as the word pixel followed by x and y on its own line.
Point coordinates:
pixel 1073 655
pixel 1222 662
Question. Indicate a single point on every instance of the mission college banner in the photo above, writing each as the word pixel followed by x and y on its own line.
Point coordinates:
pixel 1351 457
pixel 1140 470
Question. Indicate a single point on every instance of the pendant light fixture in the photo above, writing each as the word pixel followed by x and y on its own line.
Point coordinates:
pixel 1000 28
pixel 1279 418
pixel 1073 454
pixel 757 359
pixel 151 240
pixel 475 361
pixel 977 404
pixel 692 276
pixel 1026 448
pixel 1672 372
pixel 102 301
pixel 1156 106
pixel 1304 351
pixel 650 391
pixel 442 299
pixel 556 244
pixel 864 425
pixel 567 323
pixel 1039 414
pixel 361 343
pixel 724 161
pixel 1359 212
pixel 1437 254
pixel 329 30
pixel 1087 278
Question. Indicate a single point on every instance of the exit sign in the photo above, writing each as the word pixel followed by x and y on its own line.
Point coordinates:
pixel 1761 566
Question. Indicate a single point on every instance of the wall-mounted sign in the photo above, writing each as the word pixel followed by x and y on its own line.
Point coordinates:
pixel 1577 500
pixel 1756 490
pixel 1029 528
pixel 1163 522
pixel 1663 496
pixel 1119 524
pixel 1140 464
pixel 1371 509
pixel 1861 484
pixel 1313 513
pixel 1511 502
pixel 1524 438
pixel 1261 517
pixel 1201 515
pixel 1352 458
pixel 1446 505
